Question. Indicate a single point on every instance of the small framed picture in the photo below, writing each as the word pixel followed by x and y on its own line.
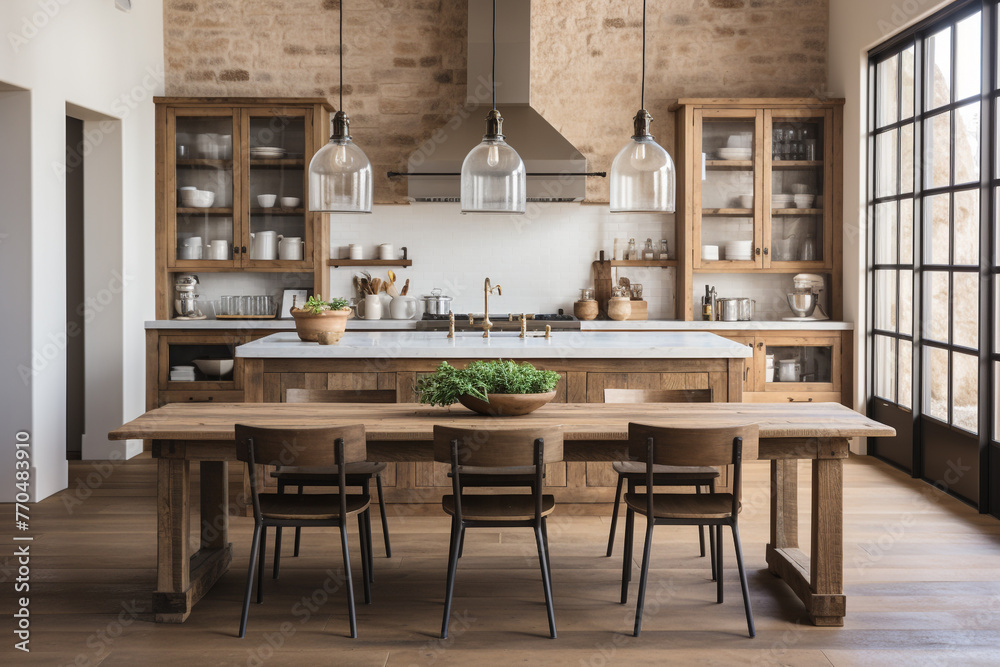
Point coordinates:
pixel 297 296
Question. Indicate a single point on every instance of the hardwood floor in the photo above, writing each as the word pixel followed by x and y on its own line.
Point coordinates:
pixel 922 581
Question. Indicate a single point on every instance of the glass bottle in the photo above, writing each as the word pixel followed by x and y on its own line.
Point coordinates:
pixel 664 249
pixel 809 247
pixel 647 253
pixel 632 252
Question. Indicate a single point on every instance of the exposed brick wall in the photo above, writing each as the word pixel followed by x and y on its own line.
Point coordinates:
pixel 405 62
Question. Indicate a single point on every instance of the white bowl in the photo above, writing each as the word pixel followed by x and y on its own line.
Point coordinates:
pixel 290 202
pixel 266 201
pixel 214 367
pixel 804 201
pixel 197 198
pixel 746 201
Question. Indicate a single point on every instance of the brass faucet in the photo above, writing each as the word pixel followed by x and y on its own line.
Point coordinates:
pixel 487 288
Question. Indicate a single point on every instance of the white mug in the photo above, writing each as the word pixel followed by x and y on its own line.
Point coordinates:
pixel 403 308
pixel 290 248
pixel 370 308
pixel 385 251
pixel 218 249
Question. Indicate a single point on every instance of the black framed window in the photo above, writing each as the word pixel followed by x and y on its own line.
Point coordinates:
pixel 933 189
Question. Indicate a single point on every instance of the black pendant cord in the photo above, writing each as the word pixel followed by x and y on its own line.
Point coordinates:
pixel 642 99
pixel 342 55
pixel 493 74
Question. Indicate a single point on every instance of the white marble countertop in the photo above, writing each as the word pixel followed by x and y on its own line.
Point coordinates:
pixel 507 345
pixel 591 325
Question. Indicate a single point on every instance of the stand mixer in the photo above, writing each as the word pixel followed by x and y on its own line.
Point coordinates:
pixel 805 297
pixel 185 304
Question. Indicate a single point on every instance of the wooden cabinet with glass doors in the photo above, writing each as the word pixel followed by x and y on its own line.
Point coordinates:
pixel 232 187
pixel 759 190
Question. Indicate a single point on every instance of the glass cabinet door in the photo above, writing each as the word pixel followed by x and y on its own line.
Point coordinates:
pixel 797 233
pixel 727 196
pixel 801 364
pixel 202 211
pixel 277 232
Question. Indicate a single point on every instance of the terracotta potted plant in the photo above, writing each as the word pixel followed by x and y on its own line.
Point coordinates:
pixel 322 321
pixel 495 388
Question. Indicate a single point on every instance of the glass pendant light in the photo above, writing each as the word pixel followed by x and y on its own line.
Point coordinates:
pixel 340 174
pixel 493 176
pixel 643 176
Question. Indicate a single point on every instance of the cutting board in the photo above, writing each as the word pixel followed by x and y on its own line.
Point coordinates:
pixel 602 283
pixel 640 310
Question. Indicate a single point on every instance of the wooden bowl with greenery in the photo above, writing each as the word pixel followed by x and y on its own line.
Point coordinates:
pixel 322 317
pixel 500 388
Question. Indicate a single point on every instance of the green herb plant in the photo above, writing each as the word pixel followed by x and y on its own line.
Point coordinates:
pixel 316 305
pixel 480 378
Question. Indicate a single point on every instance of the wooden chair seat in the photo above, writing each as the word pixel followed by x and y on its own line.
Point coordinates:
pixel 683 505
pixel 308 507
pixel 686 474
pixel 510 507
pixel 356 472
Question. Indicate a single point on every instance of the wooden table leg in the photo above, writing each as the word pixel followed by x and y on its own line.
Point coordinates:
pixel 817 580
pixel 184 577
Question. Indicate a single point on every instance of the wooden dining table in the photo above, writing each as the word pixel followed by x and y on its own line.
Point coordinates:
pixel 182 433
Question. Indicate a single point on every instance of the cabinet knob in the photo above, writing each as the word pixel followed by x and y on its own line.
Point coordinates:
pixel 243 249
pixel 757 250
pixel 765 251
pixel 760 345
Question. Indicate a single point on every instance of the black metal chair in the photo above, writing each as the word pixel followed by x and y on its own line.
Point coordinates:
pixel 359 473
pixel 654 445
pixel 700 477
pixel 498 458
pixel 338 446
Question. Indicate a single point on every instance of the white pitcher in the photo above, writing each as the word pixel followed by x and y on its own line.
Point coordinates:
pixel 290 247
pixel 370 308
pixel 403 308
pixel 264 245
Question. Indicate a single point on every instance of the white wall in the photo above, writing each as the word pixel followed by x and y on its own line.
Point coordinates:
pixel 91 60
pixel 541 260
pixel 855 27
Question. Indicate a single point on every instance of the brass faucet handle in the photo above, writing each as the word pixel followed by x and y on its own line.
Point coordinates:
pixel 548 331
pixel 524 326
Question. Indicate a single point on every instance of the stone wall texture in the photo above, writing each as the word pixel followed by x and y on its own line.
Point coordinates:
pixel 405 76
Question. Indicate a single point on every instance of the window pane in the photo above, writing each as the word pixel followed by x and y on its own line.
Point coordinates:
pixel 936 298
pixel 888 105
pixel 885 368
pixel 968 56
pixel 967 228
pixel 906 87
pixel 938 76
pixel 936 383
pixel 906 231
pixel 904 361
pixel 996 400
pixel 906 302
pixel 965 392
pixel 906 159
pixel 967 143
pixel 885 171
pixel 937 151
pixel 937 229
pixel 885 300
pixel 965 310
pixel 885 233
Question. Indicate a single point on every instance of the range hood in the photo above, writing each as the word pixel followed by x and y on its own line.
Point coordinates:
pixel 540 145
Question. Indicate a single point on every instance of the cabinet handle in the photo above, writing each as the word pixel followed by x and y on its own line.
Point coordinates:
pixel 802 400
pixel 760 346
pixel 757 250
pixel 243 249
pixel 746 369
pixel 765 251
pixel 236 250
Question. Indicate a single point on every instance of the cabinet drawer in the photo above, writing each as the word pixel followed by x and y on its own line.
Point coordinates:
pixel 200 397
pixel 791 397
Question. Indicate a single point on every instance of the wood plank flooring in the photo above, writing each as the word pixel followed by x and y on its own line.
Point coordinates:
pixel 922 578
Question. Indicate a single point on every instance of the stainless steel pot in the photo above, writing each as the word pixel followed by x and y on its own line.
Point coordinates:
pixel 436 303
pixel 735 309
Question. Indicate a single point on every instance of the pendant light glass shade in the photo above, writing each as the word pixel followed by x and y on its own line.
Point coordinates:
pixel 643 177
pixel 493 176
pixel 340 174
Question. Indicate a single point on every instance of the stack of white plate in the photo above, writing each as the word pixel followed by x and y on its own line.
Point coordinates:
pixel 732 153
pixel 779 200
pixel 739 250
pixel 182 373
pixel 267 152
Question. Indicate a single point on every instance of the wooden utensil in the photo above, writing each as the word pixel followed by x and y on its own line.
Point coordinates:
pixel 406 288
pixel 376 285
pixel 390 288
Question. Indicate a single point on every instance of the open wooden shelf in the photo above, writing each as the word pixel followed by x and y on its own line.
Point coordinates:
pixel 369 262
pixel 644 262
